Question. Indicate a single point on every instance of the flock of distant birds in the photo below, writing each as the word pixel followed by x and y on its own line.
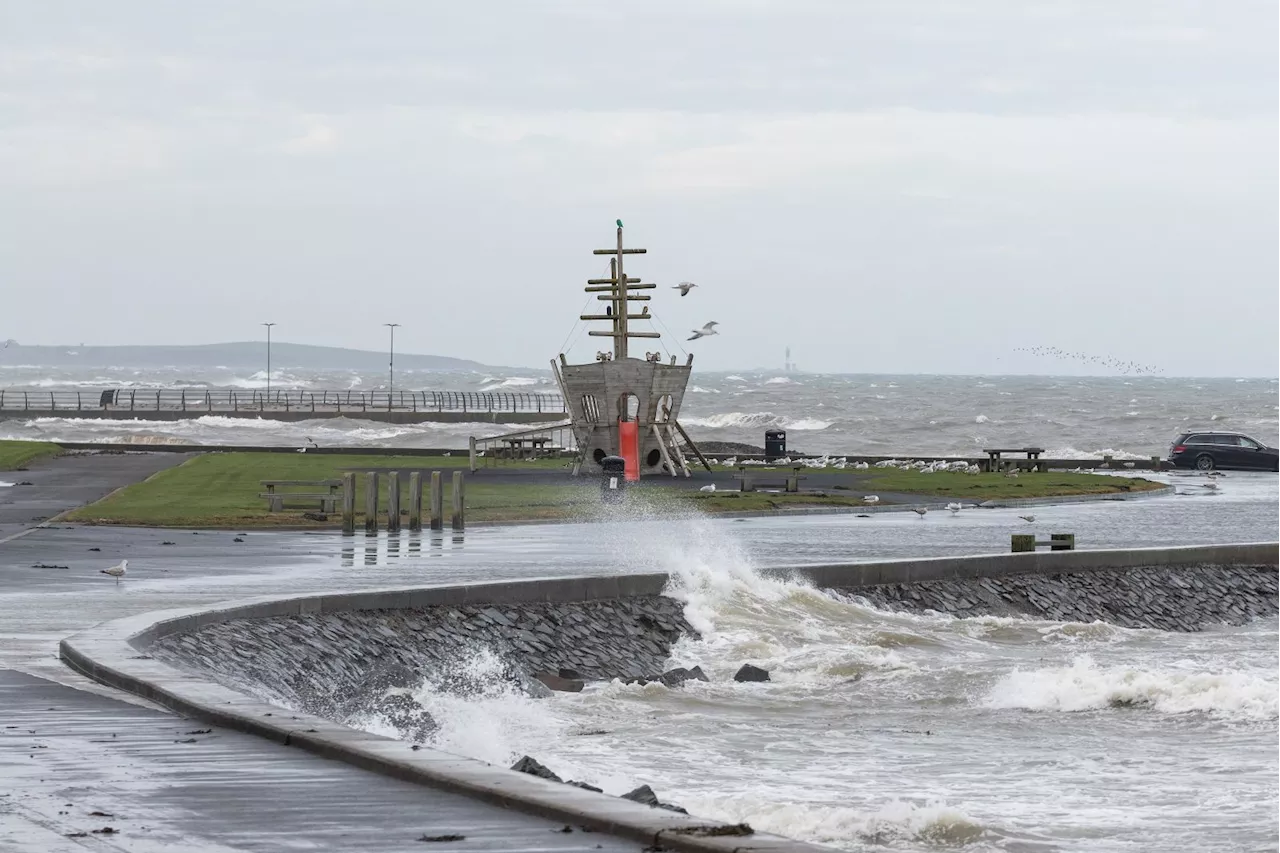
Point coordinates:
pixel 1116 364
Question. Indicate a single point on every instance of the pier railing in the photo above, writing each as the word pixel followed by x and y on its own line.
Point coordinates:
pixel 283 400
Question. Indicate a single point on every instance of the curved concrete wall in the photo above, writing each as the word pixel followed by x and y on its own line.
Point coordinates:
pixel 113 653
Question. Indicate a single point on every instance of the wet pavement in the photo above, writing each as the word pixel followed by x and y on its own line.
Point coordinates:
pixel 51 586
pixel 61 483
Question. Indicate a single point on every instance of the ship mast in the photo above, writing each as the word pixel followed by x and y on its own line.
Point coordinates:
pixel 616 290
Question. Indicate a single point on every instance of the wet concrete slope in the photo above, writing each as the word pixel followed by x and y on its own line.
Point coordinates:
pixel 76 765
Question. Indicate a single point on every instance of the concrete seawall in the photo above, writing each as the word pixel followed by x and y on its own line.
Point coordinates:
pixel 604 626
pixel 338 664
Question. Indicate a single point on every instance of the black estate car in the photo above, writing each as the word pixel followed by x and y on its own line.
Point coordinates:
pixel 1209 450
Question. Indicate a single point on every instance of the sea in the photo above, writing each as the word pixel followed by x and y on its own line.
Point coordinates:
pixel 1134 416
pixel 884 731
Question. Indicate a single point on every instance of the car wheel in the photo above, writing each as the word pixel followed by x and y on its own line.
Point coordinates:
pixel 1204 462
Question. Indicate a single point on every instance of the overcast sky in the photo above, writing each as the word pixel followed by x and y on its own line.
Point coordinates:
pixel 884 186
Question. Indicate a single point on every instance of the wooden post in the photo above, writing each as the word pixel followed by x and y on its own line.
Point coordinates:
pixel 1062 541
pixel 1156 463
pixel 415 500
pixel 459 501
pixel 393 502
pixel 371 502
pixel 1023 542
pixel 437 502
pixel 349 503
pixel 474 463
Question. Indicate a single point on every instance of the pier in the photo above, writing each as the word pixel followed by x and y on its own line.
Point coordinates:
pixel 399 407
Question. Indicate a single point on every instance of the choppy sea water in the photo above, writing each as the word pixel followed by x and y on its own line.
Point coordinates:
pixel 892 731
pixel 1072 417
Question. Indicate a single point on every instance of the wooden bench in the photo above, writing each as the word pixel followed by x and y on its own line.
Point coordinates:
pixel 749 480
pixel 275 500
pixel 996 463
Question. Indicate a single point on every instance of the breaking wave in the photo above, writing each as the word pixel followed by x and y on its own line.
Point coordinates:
pixel 1085 686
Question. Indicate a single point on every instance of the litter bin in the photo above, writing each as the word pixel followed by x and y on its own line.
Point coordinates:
pixel 775 444
pixel 613 471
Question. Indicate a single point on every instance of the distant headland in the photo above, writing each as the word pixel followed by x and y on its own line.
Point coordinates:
pixel 234 355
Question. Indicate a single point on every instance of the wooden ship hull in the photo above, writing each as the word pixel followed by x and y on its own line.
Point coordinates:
pixel 609 402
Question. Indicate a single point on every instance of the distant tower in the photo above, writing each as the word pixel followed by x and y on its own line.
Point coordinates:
pixel 787 366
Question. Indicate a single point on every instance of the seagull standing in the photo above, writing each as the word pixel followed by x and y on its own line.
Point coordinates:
pixel 871 499
pixel 684 287
pixel 705 331
pixel 955 508
pixel 117 571
pixel 1029 519
pixel 920 510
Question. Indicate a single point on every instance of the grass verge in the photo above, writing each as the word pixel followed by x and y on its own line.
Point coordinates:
pixel 982 487
pixel 221 490
pixel 15 454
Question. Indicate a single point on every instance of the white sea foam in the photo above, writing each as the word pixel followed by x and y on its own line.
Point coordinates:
pixel 893 823
pixel 698 389
pixel 1074 453
pixel 981 419
pixel 1085 686
pixel 509 383
pixel 218 429
pixel 731 420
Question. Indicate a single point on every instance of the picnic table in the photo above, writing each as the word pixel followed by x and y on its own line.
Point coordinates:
pixel 528 447
pixel 328 499
pixel 995 462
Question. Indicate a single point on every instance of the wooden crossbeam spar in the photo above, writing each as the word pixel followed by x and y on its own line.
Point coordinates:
pixel 628 297
pixel 624 335
pixel 615 287
pixel 610 280
pixel 610 317
pixel 615 251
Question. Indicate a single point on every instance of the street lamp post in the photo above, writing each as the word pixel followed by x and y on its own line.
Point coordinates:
pixel 391 379
pixel 268 325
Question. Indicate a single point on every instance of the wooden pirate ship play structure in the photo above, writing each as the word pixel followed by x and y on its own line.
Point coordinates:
pixel 619 405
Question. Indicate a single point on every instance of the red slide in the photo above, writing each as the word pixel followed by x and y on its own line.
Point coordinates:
pixel 629 448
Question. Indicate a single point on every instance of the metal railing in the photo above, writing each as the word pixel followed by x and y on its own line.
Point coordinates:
pixel 283 400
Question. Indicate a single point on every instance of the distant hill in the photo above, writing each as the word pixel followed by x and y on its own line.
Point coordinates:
pixel 251 355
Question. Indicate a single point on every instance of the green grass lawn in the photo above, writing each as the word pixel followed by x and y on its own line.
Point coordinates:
pixel 981 487
pixel 220 490
pixel 16 454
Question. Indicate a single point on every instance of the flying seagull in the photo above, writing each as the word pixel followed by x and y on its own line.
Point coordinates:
pixel 955 507
pixel 117 571
pixel 684 287
pixel 709 329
